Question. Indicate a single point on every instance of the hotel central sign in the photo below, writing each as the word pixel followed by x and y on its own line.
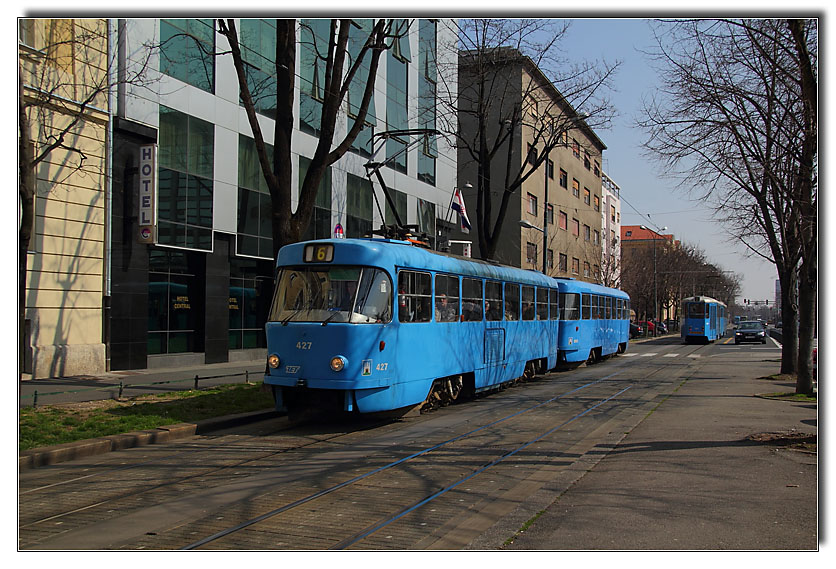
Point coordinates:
pixel 147 207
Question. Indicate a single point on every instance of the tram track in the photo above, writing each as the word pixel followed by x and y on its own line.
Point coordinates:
pixel 356 481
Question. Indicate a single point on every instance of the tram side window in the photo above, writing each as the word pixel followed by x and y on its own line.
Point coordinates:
pixel 586 307
pixel 446 298
pixel 527 302
pixel 596 307
pixel 570 305
pixel 512 301
pixel 471 299
pixel 609 307
pixel 493 301
pixel 554 307
pixel 414 296
pixel 542 303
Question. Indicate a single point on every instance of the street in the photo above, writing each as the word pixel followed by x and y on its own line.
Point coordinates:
pixel 469 476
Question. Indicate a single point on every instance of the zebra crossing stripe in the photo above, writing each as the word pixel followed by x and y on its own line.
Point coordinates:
pixel 670 355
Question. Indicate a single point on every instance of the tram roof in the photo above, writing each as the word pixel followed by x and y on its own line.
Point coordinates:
pixel 396 254
pixel 703 299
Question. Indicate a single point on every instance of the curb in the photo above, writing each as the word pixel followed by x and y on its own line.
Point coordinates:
pixel 44 456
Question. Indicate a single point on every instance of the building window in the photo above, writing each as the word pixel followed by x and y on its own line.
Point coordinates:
pixel 597 203
pixel 185 190
pixel 550 214
pixel 612 213
pixel 563 220
pixel 551 169
pixel 249 297
pixel 400 205
pixel 427 81
pixel 532 204
pixel 550 258
pixel 576 149
pixel 576 188
pixel 426 218
pixel 576 265
pixel 255 230
pixel 586 162
pixel 258 50
pixel 564 179
pixel 532 154
pixel 320 225
pixel 576 228
pixel 313 54
pixel 173 314
pixel 358 34
pixel 531 253
pixel 586 233
pixel 586 195
pixel 597 169
pixel 596 237
pixel 397 90
pixel 187 51
pixel 586 269
pixel 359 207
pixel 562 262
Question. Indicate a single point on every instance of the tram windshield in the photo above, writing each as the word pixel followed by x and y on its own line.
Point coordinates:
pixel 360 295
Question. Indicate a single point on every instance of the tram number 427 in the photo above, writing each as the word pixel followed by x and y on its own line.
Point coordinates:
pixel 304 345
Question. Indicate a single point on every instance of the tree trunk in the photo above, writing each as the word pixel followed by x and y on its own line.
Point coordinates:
pixel 26 193
pixel 789 330
pixel 807 324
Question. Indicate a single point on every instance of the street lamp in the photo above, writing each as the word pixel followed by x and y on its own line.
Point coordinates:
pixel 655 293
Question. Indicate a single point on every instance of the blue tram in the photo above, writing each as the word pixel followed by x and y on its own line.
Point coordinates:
pixel 369 325
pixel 594 321
pixel 704 319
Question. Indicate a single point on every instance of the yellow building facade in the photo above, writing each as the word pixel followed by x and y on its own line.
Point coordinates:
pixel 64 72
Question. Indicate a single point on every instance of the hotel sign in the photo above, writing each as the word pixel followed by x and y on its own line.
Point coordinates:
pixel 147 210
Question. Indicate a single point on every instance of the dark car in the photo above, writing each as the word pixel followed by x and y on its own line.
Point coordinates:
pixel 661 327
pixel 750 331
pixel 635 330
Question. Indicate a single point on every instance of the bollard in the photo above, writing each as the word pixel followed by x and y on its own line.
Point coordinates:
pixel 195 381
pixel 121 387
pixel 35 400
pixel 247 377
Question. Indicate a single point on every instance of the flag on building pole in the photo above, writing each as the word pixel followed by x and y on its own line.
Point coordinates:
pixel 458 206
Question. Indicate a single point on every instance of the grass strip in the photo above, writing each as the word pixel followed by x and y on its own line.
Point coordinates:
pixel 62 423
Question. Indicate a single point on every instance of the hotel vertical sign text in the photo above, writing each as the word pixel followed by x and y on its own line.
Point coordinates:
pixel 147 210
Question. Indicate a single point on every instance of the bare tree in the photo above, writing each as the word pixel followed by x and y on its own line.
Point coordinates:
pixel 736 119
pixel 338 70
pixel 494 102
pixel 64 79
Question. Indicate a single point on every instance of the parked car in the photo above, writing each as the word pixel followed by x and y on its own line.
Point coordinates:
pixel 661 327
pixel 648 326
pixel 750 331
pixel 635 330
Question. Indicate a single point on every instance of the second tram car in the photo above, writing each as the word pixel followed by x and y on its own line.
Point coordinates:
pixel 594 321
pixel 704 319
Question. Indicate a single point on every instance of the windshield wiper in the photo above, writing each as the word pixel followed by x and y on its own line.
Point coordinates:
pixel 327 320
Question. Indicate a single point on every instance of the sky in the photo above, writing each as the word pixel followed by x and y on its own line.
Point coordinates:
pixel 649 198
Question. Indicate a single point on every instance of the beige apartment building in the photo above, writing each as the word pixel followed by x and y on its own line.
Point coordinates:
pixel 563 195
pixel 63 66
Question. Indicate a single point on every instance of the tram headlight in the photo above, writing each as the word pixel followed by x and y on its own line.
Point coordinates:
pixel 338 363
pixel 273 361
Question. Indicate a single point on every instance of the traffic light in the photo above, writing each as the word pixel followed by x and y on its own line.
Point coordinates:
pixel 767 302
pixel 745 301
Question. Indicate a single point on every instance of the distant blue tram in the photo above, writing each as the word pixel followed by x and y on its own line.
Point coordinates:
pixel 594 321
pixel 368 325
pixel 704 319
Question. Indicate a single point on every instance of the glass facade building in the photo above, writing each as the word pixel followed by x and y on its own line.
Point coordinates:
pixel 200 291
